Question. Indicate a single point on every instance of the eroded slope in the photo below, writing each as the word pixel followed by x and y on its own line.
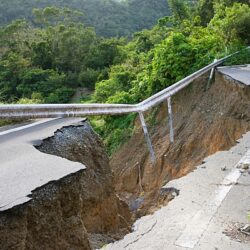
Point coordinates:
pixel 66 214
pixel 206 120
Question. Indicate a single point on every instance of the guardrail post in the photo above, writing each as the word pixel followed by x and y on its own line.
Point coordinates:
pixel 211 76
pixel 170 120
pixel 146 134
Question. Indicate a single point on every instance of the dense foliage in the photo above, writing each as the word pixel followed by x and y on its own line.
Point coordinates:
pixel 108 17
pixel 48 62
pixel 176 47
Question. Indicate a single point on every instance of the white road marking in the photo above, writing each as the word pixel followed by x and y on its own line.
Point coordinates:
pixel 26 126
pixel 197 226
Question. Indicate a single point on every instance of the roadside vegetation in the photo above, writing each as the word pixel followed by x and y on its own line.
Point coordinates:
pixel 177 46
pixel 48 61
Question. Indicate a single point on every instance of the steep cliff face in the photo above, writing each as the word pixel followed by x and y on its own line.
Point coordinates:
pixel 205 121
pixel 74 212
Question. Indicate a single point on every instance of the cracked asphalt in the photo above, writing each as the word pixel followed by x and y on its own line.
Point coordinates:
pixel 23 168
pixel 238 73
pixel 211 198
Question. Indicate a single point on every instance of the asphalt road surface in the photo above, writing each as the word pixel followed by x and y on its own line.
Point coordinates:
pixel 240 73
pixel 23 168
pixel 212 199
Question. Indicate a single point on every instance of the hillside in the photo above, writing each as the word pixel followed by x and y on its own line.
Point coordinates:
pixel 74 183
pixel 50 63
pixel 108 17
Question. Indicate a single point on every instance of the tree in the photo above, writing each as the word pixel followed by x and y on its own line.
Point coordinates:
pixel 233 23
pixel 179 9
pixel 110 18
pixel 52 16
pixel 206 11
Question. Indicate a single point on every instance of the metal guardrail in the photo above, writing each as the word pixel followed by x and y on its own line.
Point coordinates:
pixel 74 110
pixel 63 110
pixel 78 110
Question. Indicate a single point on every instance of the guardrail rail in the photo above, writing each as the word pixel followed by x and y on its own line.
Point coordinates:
pixel 33 111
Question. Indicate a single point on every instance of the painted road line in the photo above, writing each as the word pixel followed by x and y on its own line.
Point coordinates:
pixel 26 126
pixel 199 223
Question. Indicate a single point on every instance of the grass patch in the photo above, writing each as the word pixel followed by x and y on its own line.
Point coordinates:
pixel 240 59
pixel 114 130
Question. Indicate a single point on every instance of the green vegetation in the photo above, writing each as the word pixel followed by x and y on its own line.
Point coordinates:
pixel 5 122
pixel 47 64
pixel 49 61
pixel 110 18
pixel 178 46
pixel 239 59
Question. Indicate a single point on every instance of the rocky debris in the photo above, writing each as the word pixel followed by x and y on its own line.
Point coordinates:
pixel 238 232
pixel 171 193
pixel 62 214
pixel 166 195
pixel 245 229
pixel 245 166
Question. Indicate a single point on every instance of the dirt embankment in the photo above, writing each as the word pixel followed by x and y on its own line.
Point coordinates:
pixel 80 211
pixel 205 121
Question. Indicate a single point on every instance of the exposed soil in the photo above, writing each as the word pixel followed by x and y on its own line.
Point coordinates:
pixel 205 121
pixel 80 211
pixel 105 216
pixel 93 207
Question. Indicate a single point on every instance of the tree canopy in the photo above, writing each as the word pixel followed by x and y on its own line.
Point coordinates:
pixel 109 17
pixel 47 63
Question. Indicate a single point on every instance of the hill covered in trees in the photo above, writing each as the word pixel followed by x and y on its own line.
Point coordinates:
pixel 48 62
pixel 108 17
